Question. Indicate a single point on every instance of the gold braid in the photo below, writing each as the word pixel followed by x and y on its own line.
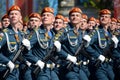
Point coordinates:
pixel 76 32
pixel 47 36
pixel 17 38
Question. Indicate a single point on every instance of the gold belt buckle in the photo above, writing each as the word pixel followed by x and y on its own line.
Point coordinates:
pixel 16 65
pixel 79 63
pixel 51 66
pixel 106 59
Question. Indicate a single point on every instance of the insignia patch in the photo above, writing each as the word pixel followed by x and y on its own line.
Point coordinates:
pixel 12 42
pixel 103 39
pixel 73 37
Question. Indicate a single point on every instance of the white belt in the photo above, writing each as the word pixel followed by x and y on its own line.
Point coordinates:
pixel 50 65
pixel 3 65
pixel 85 62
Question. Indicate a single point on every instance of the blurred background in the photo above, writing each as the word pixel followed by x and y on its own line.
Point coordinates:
pixel 89 7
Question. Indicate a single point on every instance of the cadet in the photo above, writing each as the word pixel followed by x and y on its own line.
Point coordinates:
pixel 59 36
pixel 113 25
pixel 42 43
pixel 83 28
pixel 116 54
pixel 118 26
pixel 84 24
pixel 10 43
pixel 59 22
pixel 5 21
pixel 99 44
pixel 70 45
pixel 91 24
pixel 66 20
pixel 116 51
pixel 34 22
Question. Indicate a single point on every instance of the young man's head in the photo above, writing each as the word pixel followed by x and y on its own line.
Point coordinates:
pixel 14 14
pixel 5 21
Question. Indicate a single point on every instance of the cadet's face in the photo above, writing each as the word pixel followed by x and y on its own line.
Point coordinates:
pixel 83 24
pixel 113 26
pixel 5 22
pixel 75 18
pixel 105 19
pixel 91 23
pixel 47 18
pixel 14 16
pixel 34 22
pixel 58 24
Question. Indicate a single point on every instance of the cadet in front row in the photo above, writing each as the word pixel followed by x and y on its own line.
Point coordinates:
pixel 100 48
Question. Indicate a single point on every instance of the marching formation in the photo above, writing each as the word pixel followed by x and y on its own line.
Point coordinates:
pixel 50 47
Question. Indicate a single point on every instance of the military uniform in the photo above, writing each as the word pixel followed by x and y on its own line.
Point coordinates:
pixel 99 44
pixel 69 47
pixel 60 34
pixel 10 42
pixel 42 43
pixel 41 47
pixel 26 69
pixel 116 55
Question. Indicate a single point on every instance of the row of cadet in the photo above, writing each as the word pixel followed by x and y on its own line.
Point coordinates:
pixel 59 48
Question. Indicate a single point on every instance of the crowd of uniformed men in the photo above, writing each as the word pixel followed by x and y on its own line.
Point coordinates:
pixel 85 48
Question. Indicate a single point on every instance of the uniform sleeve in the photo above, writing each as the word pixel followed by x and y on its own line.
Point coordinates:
pixel 3 59
pixel 116 53
pixel 63 53
pixel 29 56
pixel 28 53
pixel 90 49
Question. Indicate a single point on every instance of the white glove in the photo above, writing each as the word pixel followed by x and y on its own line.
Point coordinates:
pixel 26 43
pixel 88 39
pixel 11 66
pixel 101 58
pixel 115 40
pixel 57 45
pixel 72 58
pixel 28 63
pixel 40 64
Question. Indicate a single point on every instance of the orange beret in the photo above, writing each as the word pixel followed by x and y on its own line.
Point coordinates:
pixel 113 20
pixel 105 11
pixel 84 16
pixel 66 19
pixel 59 17
pixel 75 9
pixel 5 16
pixel 34 15
pixel 14 7
pixel 48 9
pixel 92 19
